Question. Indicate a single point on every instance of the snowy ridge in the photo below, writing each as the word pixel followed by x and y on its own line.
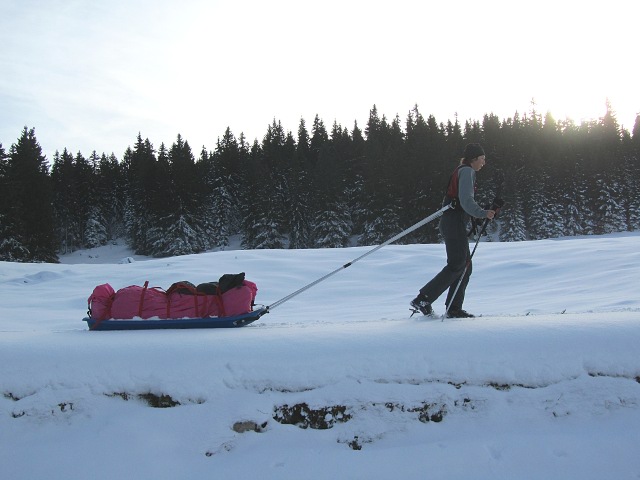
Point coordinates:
pixel 339 382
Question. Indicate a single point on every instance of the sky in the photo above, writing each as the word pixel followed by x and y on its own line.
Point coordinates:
pixel 544 385
pixel 92 75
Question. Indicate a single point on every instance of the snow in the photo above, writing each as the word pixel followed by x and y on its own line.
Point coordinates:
pixel 545 384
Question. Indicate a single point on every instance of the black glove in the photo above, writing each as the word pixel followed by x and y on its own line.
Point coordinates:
pixel 497 204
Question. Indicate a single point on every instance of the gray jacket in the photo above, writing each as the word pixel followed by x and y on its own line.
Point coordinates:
pixel 466 193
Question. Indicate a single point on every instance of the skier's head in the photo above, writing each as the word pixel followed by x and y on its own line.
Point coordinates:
pixel 472 151
pixel 474 156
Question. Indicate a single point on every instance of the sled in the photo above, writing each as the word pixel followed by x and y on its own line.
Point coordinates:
pixel 176 323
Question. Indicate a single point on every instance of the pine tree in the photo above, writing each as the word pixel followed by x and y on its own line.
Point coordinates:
pixel 330 182
pixel 301 192
pixel 377 183
pixel 299 225
pixel 174 235
pixel 184 181
pixel 581 202
pixel 29 214
pixel 214 211
pixel 331 227
pixel 398 170
pixel 610 212
pixel 95 232
pixel 179 223
pixel 635 141
pixel 79 221
pixel 144 196
pixel 90 221
pixel 512 219
pixel 427 171
pixel 67 227
pixel 385 175
pixel 223 186
pixel 109 190
pixel 319 140
pixel 319 196
pixel 380 228
pixel 11 248
pixel 256 185
pixel 354 191
pixel 630 175
pixel 266 224
pixel 3 163
pixel 542 212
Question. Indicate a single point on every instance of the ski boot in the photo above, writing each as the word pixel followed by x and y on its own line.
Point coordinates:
pixel 420 304
pixel 459 313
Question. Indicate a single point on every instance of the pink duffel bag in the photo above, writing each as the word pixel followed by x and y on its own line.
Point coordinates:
pixel 182 300
pixel 239 299
pixel 99 302
pixel 142 302
pixel 185 300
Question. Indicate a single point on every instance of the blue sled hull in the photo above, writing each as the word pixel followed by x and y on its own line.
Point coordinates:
pixel 180 323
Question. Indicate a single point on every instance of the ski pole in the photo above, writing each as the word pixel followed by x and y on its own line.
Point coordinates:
pixel 497 204
pixel 422 222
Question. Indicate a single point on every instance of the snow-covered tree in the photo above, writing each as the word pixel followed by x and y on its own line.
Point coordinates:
pixel 512 222
pixel 610 214
pixel 331 226
pixel 95 232
pixel 27 213
pixel 173 236
pixel 379 228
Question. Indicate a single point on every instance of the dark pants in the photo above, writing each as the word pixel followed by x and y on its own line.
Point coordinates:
pixel 454 232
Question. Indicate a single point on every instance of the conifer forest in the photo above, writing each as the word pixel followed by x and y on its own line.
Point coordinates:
pixel 318 187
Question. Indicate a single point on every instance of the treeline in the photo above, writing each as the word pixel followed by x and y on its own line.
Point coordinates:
pixel 323 187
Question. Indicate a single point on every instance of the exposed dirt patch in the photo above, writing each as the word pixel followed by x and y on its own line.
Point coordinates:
pixel 151 399
pixel 301 415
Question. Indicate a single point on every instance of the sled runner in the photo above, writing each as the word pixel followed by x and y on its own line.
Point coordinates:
pixel 176 323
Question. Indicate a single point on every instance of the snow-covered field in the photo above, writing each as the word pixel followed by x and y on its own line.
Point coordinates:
pixel 338 382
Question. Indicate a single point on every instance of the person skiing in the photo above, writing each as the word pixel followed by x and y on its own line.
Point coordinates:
pixel 453 228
